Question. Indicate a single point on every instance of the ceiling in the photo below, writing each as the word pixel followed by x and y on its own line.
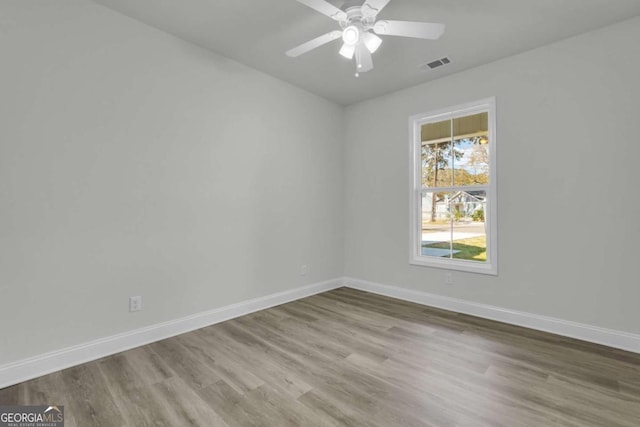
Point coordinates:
pixel 258 32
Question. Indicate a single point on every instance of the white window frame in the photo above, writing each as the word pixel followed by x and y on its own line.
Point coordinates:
pixel 416 122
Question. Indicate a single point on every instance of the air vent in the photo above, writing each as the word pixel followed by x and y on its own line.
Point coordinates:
pixel 435 64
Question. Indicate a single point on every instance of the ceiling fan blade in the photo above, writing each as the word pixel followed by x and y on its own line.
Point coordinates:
pixel 420 30
pixel 371 8
pixel 326 9
pixel 364 61
pixel 312 44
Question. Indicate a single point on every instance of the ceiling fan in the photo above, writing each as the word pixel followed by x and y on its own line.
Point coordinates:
pixel 357 21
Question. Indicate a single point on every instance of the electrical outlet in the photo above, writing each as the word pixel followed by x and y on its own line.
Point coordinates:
pixel 448 278
pixel 303 270
pixel 135 303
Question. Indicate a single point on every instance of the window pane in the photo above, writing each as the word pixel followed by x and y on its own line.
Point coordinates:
pixel 436 154
pixel 469 231
pixel 471 150
pixel 436 225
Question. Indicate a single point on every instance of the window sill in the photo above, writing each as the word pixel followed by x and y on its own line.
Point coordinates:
pixel 456 265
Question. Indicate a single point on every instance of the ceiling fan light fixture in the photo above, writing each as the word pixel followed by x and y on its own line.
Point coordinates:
pixel 347 50
pixel 371 41
pixel 351 35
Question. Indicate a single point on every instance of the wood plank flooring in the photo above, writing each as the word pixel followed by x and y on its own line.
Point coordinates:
pixel 350 358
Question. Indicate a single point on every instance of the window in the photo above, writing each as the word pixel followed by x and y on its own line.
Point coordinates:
pixel 453 188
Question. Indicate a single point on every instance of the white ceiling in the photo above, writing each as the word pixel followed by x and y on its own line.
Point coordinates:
pixel 258 32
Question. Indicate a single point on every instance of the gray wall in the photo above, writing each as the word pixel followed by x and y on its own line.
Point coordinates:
pixel 132 163
pixel 568 153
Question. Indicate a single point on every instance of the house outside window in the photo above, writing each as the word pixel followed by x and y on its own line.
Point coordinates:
pixel 453 188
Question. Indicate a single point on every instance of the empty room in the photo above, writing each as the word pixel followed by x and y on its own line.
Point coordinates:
pixel 319 213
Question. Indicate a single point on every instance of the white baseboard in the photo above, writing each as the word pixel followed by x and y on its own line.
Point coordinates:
pixel 609 337
pixel 33 367
pixel 23 370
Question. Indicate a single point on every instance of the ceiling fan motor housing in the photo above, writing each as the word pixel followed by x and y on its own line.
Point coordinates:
pixel 356 17
pixel 348 4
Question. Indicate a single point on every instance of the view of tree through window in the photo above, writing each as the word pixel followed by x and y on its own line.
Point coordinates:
pixel 455 176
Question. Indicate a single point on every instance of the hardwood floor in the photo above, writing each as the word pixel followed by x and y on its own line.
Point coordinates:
pixel 351 358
